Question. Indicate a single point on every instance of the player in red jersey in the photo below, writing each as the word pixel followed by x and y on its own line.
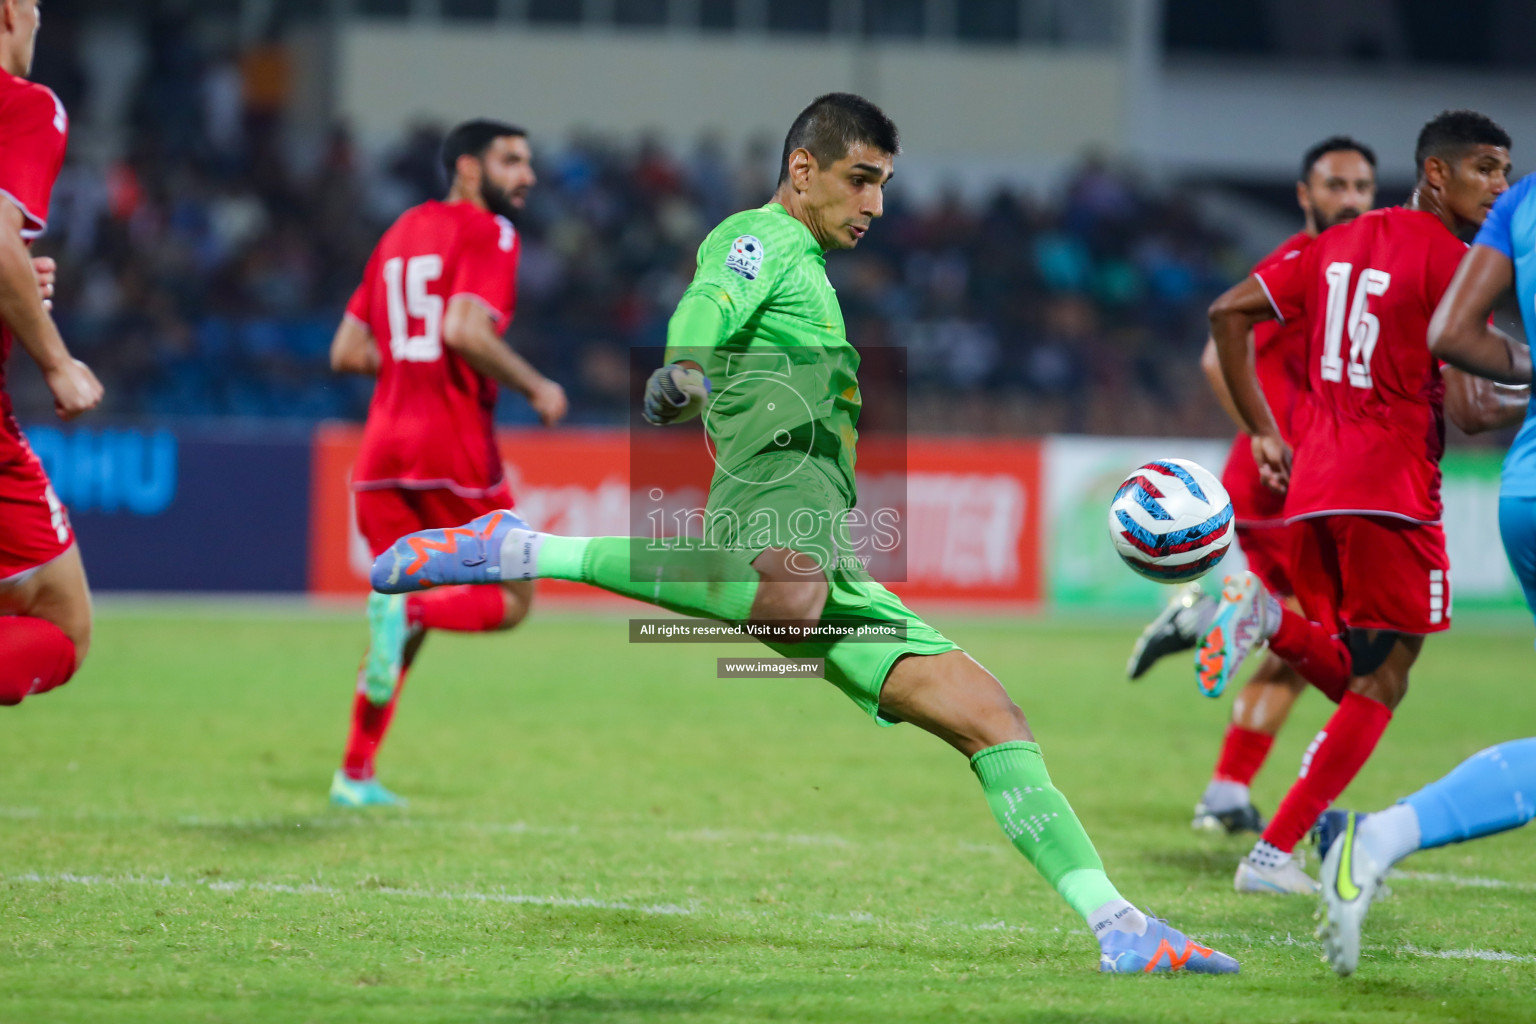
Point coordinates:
pixel 1337 183
pixel 1369 563
pixel 45 604
pixel 427 320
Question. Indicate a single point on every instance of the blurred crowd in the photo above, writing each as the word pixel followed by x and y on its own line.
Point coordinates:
pixel 203 269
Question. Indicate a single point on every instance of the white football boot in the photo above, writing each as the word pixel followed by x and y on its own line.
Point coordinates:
pixel 1289 879
pixel 1351 879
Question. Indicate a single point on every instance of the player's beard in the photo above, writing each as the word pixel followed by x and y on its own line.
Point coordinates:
pixel 1342 217
pixel 498 201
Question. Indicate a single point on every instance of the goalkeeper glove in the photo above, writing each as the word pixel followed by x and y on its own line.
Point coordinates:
pixel 675 393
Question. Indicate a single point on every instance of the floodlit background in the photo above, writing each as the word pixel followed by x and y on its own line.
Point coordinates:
pixel 1080 178
pixel 603 832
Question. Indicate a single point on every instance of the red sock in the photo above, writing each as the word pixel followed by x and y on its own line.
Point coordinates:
pixel 1323 660
pixel 462 609
pixel 38 657
pixel 1242 755
pixel 1330 763
pixel 370 722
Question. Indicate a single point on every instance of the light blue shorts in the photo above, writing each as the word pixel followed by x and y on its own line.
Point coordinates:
pixel 1517 525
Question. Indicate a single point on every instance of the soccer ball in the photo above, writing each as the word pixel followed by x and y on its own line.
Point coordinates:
pixel 1171 521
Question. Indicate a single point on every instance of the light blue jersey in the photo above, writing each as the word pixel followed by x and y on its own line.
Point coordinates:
pixel 1511 230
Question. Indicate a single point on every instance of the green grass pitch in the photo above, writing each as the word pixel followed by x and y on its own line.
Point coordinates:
pixel 606 832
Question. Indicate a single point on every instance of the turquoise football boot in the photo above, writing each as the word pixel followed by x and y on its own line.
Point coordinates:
pixel 1241 626
pixel 349 792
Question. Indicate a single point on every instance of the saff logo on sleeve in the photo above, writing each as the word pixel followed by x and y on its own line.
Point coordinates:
pixel 746 257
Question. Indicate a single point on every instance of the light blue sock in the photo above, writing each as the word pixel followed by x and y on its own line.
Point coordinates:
pixel 1492 791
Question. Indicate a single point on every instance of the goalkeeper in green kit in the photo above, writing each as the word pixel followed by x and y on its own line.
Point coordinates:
pixel 757 346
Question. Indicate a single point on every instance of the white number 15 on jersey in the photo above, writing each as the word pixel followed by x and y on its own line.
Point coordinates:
pixel 405 289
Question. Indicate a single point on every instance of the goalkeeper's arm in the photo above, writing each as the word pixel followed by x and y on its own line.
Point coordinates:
pixel 679 390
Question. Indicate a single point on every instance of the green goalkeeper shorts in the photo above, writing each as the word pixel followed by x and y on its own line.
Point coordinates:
pixel 792 500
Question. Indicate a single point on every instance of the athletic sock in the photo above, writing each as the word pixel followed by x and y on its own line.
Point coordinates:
pixel 1330 763
pixel 370 722
pixel 1389 835
pixel 1221 795
pixel 708 584
pixel 1117 915
pixel 1268 855
pixel 1274 612
pixel 1037 819
pixel 461 609
pixel 1492 791
pixel 38 657
pixel 1323 660
pixel 1242 755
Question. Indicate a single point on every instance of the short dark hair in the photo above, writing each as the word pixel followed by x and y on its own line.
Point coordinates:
pixel 835 123
pixel 473 138
pixel 1452 132
pixel 1335 144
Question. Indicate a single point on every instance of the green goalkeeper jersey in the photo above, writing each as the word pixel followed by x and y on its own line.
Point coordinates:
pixel 763 321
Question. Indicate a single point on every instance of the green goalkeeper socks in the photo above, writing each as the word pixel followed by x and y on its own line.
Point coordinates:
pixel 1039 822
pixel 705 584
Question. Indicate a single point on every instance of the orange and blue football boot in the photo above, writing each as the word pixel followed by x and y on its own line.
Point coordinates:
pixel 461 554
pixel 1159 950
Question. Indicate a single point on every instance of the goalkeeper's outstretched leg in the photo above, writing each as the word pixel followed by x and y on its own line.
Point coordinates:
pixel 923 679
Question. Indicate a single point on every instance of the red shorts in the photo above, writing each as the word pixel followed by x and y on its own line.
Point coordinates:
pixel 34 525
pixel 389 513
pixel 1372 572
pixel 1268 550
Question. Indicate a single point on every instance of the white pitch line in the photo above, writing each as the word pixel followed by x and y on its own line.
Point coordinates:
pixel 1469 954
pixel 670 909
pixel 1409 948
pixel 703 835
pixel 316 889
pixel 1470 881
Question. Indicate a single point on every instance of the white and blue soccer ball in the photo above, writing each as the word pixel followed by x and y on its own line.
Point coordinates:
pixel 1171 521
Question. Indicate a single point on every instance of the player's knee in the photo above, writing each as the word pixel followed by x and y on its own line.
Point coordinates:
pixel 786 589
pixel 800 600
pixel 1387 681
pixel 1011 718
pixel 996 717
pixel 1275 671
pixel 1001 722
pixel 77 626
pixel 1383 688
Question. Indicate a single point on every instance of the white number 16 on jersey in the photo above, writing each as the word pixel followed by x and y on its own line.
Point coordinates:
pixel 405 289
pixel 1363 326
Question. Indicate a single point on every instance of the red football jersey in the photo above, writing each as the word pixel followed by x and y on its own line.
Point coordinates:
pixel 33 132
pixel 430 421
pixel 1373 412
pixel 1280 360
